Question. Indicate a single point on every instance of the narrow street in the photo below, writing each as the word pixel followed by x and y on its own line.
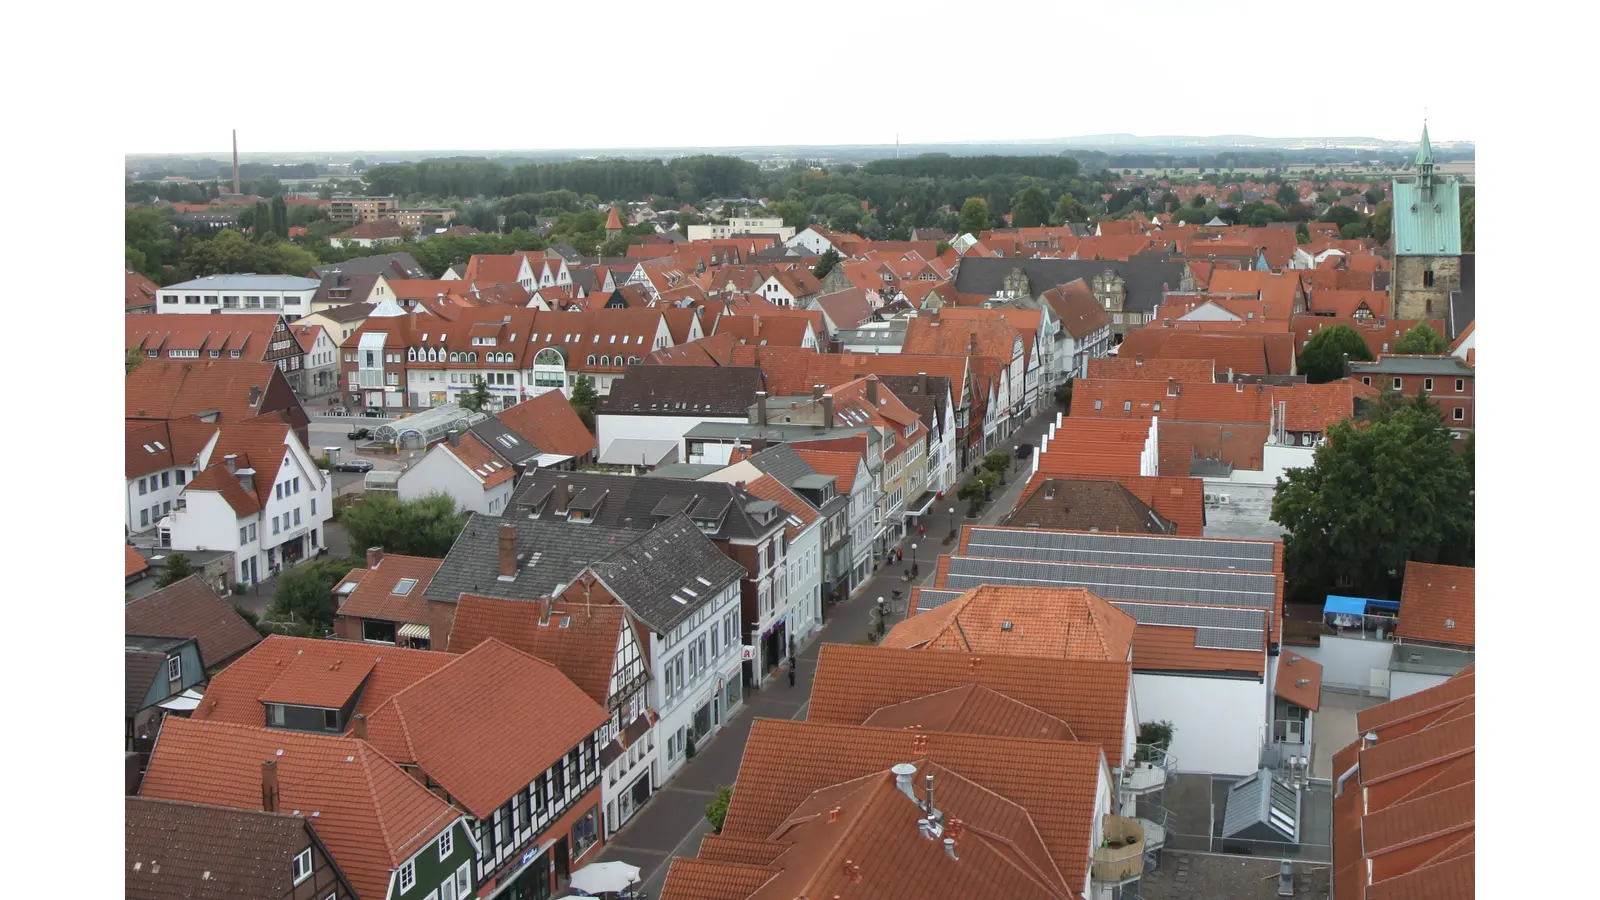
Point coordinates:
pixel 673 821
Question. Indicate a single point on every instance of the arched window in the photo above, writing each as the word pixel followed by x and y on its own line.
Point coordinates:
pixel 633 360
pixel 591 359
pixel 455 357
pixel 549 356
pixel 411 354
pixel 605 360
pixel 433 355
pixel 472 357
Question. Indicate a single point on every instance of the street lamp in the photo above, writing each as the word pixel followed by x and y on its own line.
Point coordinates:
pixel 952 538
pixel 883 617
pixel 914 570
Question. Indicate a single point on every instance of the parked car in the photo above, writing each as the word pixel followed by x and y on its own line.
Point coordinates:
pixel 358 433
pixel 353 465
pixel 371 413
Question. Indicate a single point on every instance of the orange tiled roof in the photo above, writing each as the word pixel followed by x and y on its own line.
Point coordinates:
pixel 1438 604
pixel 172 389
pixel 583 648
pixel 132 562
pixel 370 814
pixel 550 423
pixel 854 683
pixel 1177 498
pixel 481 460
pixel 1127 368
pixel 1403 826
pixel 1021 621
pixel 842 466
pixel 234 695
pixel 1299 680
pixel 768 488
pixel 438 725
pixel 374 596
pixel 1193 402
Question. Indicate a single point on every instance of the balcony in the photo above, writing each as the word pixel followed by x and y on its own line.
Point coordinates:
pixel 1148 771
pixel 1120 856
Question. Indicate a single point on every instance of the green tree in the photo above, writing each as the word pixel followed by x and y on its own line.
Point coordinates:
pixel 717 809
pixel 793 212
pixel 1355 231
pixel 1376 496
pixel 1064 395
pixel 280 217
pixel 1068 210
pixel 1322 359
pixel 1469 219
pixel 132 358
pixel 997 461
pixel 1199 201
pixel 1287 195
pixel 1030 209
pixel 304 594
pixel 176 568
pixel 1383 222
pixel 425 526
pixel 583 400
pixel 477 399
pixel 825 263
pixel 1301 234
pixel 1374 194
pixel 974 216
pixel 1421 340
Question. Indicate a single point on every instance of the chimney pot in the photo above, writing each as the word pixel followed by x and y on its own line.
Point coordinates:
pixel 827 411
pixel 508 550
pixel 816 391
pixel 761 407
pixel 546 604
pixel 872 390
pixel 561 497
pixel 359 726
pixel 374 556
pixel 232 462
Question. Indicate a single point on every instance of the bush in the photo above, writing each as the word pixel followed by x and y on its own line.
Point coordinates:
pixel 997 461
pixel 1153 734
pixel 717 809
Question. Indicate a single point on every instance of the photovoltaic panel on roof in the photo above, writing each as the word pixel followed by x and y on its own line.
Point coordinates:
pixel 931 598
pixel 1196 616
pixel 1121 549
pixel 1120 583
pixel 1225 639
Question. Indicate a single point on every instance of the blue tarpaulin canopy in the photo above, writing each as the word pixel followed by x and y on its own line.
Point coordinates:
pixel 1356 606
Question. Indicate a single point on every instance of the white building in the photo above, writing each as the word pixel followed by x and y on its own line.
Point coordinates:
pixel 739 226
pixel 648 412
pixel 319 370
pixel 240 293
pixel 675 581
pixel 466 470
pixel 258 494
pixel 813 240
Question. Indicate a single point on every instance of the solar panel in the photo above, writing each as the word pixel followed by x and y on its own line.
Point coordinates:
pixel 1226 639
pixel 1120 583
pixel 1196 616
pixel 931 598
pixel 1121 549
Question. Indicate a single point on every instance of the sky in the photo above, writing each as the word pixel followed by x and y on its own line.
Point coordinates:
pixel 618 74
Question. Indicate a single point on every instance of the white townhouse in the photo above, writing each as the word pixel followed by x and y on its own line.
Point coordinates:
pixel 465 469
pixel 258 494
pixel 675 581
pixel 286 294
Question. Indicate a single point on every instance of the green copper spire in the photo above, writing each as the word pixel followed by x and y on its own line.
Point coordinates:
pixel 1425 152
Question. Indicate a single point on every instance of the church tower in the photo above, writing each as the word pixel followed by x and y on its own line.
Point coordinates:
pixel 1427 240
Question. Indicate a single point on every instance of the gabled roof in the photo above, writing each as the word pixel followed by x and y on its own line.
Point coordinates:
pixel 1107 504
pixel 1145 280
pixel 152 446
pixel 667 573
pixel 391 591
pixel 842 466
pixel 202 852
pixel 390 265
pixel 133 562
pixel 1018 621
pixel 138 291
pixel 173 389
pixel 718 391
pixel 638 503
pixel 1127 368
pixel 438 724
pixel 248 333
pixel 578 638
pixel 1299 680
pixel 299 671
pixel 1077 309
pixel 798 511
pixel 845 309
pixel 550 552
pixel 190 608
pixel 1438 604
pixel 486 465
pixel 371 816
pixel 549 422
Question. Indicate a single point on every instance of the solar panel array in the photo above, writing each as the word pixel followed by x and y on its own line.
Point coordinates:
pixel 1121 583
pixel 933 598
pixel 1121 549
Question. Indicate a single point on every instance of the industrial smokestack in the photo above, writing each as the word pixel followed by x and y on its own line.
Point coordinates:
pixel 236 160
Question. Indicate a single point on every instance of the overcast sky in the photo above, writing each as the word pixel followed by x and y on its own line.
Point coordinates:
pixel 308 77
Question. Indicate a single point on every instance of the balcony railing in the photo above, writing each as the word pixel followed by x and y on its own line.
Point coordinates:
pixel 1149 769
pixel 1120 856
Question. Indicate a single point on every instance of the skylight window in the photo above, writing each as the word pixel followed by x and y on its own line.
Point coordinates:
pixel 404 586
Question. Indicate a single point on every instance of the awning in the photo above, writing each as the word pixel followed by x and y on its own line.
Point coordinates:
pixel 920 505
pixel 1356 606
pixel 546 460
pixel 413 631
pixel 184 702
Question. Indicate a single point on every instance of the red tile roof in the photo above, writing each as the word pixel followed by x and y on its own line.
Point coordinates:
pixel 132 562
pixel 1299 680
pixel 139 291
pixel 1095 446
pixel 579 639
pixel 374 596
pixel 251 334
pixel 768 488
pixel 173 389
pixel 1403 825
pixel 549 422
pixel 1245 353
pixel 842 466
pixel 153 446
pixel 1438 604
pixel 234 695
pixel 1177 498
pixel 370 814
pixel 1127 368
pixel 377 229
pixel 438 724
pixel 489 467
pixel 1019 621
pixel 613 223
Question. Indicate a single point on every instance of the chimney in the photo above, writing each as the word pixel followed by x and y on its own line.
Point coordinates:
pixel 232 462
pixel 930 809
pixel 374 556
pixel 835 345
pixel 1238 387
pixel 269 786
pixel 358 726
pixel 247 480
pixel 454 437
pixel 827 411
pixel 546 604
pixel 508 551
pixel 816 391
pixel 872 390
pixel 933 316
pixel 1049 490
pixel 761 408
pixel 561 497
pixel 757 444
pixel 924 377
pixel 255 395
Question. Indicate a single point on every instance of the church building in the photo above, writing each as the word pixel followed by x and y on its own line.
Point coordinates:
pixel 1427 240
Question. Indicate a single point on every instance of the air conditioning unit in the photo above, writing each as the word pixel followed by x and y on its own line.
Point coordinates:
pixel 1224 499
pixel 1211 499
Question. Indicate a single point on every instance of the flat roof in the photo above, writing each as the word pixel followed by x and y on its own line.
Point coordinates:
pixel 247 282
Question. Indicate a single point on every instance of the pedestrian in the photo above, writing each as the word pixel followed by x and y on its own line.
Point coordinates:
pixel 791 671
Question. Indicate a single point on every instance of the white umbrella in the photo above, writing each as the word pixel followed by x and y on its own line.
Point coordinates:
pixel 604 877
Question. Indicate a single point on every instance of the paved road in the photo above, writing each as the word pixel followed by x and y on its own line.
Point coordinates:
pixel 673 821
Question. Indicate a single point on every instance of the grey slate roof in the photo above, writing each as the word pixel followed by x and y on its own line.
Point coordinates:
pixel 190 608
pixel 140 668
pixel 567 252
pixel 1144 278
pixel 639 504
pixel 665 575
pixel 1262 808
pixel 212 852
pixel 349 312
pixel 1464 302
pixel 1446 366
pixel 389 265
pixel 357 284
pixel 683 471
pixel 720 391
pixel 519 452
pixel 473 564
